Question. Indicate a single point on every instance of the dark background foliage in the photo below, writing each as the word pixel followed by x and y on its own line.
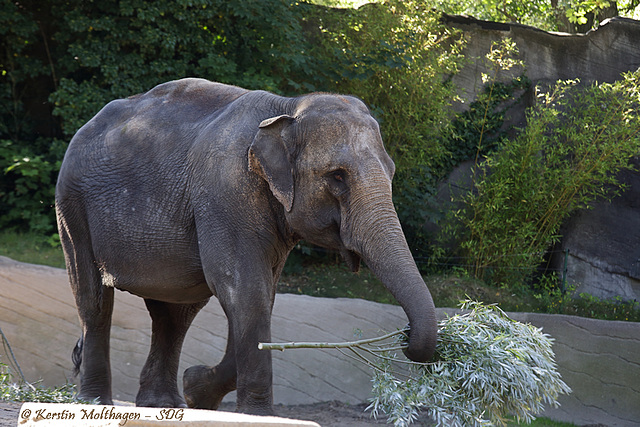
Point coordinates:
pixel 63 60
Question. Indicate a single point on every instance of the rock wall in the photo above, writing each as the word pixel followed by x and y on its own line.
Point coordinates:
pixel 599 55
pixel 599 360
pixel 604 242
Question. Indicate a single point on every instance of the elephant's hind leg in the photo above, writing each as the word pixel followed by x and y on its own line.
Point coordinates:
pixel 95 380
pixel 159 377
pixel 206 386
pixel 95 308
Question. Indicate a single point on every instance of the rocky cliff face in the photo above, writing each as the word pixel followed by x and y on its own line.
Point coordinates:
pixel 599 55
pixel 604 242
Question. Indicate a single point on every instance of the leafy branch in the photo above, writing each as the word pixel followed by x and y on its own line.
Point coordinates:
pixel 487 367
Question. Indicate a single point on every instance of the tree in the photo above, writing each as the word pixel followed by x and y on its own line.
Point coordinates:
pixel 398 57
pixel 551 15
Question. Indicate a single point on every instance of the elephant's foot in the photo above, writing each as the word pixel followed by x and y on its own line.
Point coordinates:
pixel 205 386
pixel 255 407
pixel 90 397
pixel 158 398
pixel 255 399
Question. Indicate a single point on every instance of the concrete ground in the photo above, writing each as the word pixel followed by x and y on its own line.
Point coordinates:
pixel 599 360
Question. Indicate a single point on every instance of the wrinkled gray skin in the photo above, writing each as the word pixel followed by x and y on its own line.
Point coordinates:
pixel 197 189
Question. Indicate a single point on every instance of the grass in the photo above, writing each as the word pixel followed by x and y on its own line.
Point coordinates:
pixel 31 248
pixel 22 391
pixel 304 275
pixel 335 281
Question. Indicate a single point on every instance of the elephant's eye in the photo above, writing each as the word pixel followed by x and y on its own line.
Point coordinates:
pixel 338 175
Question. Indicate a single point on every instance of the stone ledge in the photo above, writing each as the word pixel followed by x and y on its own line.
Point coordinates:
pixel 34 414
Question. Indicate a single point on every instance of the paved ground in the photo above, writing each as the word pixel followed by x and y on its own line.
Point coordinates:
pixel 9 414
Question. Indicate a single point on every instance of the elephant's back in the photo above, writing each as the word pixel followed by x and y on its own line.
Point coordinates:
pixel 201 94
pixel 169 108
pixel 147 133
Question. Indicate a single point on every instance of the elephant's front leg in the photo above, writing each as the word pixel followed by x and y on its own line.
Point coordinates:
pixel 255 377
pixel 248 310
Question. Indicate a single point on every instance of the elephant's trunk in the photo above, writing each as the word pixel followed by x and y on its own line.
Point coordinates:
pixel 373 231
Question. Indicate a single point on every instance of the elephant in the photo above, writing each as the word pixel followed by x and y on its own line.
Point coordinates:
pixel 197 189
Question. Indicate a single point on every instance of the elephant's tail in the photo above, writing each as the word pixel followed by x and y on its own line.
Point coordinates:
pixel 76 356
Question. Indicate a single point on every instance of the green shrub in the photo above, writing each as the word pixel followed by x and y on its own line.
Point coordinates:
pixel 10 391
pixel 576 140
pixel 606 309
pixel 28 184
pixel 479 130
pixel 120 49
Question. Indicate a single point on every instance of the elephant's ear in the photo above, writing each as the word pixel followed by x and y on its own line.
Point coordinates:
pixel 269 157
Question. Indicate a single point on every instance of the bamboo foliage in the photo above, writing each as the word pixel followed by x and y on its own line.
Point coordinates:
pixel 577 139
pixel 487 368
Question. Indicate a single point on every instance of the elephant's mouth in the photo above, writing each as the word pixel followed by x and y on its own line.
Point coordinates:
pixel 351 258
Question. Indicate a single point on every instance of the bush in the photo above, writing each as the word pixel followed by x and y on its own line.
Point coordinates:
pixel 576 140
pixel 27 190
pixel 120 49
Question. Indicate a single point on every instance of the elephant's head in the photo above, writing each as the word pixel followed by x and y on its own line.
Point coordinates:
pixel 327 165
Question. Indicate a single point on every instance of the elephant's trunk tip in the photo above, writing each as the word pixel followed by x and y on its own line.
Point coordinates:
pixel 422 341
